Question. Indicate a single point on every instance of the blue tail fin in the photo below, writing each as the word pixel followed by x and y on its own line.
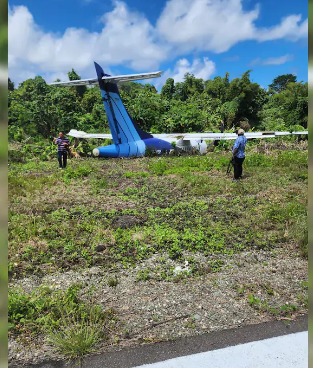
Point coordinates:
pixel 123 129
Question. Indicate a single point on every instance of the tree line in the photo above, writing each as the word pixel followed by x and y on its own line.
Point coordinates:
pixel 39 110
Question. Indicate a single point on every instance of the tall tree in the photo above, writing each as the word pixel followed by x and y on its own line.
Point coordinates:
pixel 287 108
pixel 168 89
pixel 72 75
pixel 280 83
pixel 10 85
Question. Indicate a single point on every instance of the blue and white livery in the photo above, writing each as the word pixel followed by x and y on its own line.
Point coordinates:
pixel 129 140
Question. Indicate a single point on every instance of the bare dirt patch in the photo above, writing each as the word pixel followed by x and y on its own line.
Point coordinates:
pixel 126 221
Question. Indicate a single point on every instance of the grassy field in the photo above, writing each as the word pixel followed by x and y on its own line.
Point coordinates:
pixel 169 221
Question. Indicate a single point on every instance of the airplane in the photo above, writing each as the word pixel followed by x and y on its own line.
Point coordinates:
pixel 128 139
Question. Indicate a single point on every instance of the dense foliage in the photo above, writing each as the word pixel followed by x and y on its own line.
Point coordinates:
pixel 40 110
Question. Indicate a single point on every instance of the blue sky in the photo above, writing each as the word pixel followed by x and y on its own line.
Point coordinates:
pixel 204 37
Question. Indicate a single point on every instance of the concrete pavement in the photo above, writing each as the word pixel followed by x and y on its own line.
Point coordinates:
pixel 289 351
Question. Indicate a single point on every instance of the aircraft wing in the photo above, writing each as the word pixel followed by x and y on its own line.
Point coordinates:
pixel 297 133
pixel 223 136
pixel 80 134
pixel 209 136
pixel 108 79
pixel 191 136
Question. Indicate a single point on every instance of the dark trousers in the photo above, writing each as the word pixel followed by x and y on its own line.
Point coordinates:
pixel 62 154
pixel 238 167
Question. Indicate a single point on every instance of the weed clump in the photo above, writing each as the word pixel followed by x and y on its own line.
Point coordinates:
pixel 78 335
pixel 113 281
pixel 73 326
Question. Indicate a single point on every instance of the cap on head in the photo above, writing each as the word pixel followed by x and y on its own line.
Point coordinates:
pixel 241 132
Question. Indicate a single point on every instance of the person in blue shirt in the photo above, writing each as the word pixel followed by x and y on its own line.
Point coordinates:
pixel 239 154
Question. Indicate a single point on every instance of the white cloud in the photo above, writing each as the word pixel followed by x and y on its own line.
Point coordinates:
pixel 217 25
pixel 278 60
pixel 211 25
pixel 290 29
pixel 128 39
pixel 130 36
pixel 255 61
pixel 52 77
pixel 199 68
pixel 272 60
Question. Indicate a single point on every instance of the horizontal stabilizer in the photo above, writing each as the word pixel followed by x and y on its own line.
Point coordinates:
pixel 76 83
pixel 131 77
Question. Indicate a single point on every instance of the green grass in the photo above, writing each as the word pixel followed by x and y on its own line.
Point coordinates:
pixel 78 336
pixel 73 326
pixel 177 204
pixel 172 208
pixel 262 298
pixel 45 307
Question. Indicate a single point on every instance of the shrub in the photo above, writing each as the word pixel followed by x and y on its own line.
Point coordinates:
pixel 80 172
pixel 16 156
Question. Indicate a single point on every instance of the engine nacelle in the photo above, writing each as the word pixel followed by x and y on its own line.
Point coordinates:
pixel 189 146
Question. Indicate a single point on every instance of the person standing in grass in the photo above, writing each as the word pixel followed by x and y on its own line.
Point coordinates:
pixel 239 154
pixel 63 143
